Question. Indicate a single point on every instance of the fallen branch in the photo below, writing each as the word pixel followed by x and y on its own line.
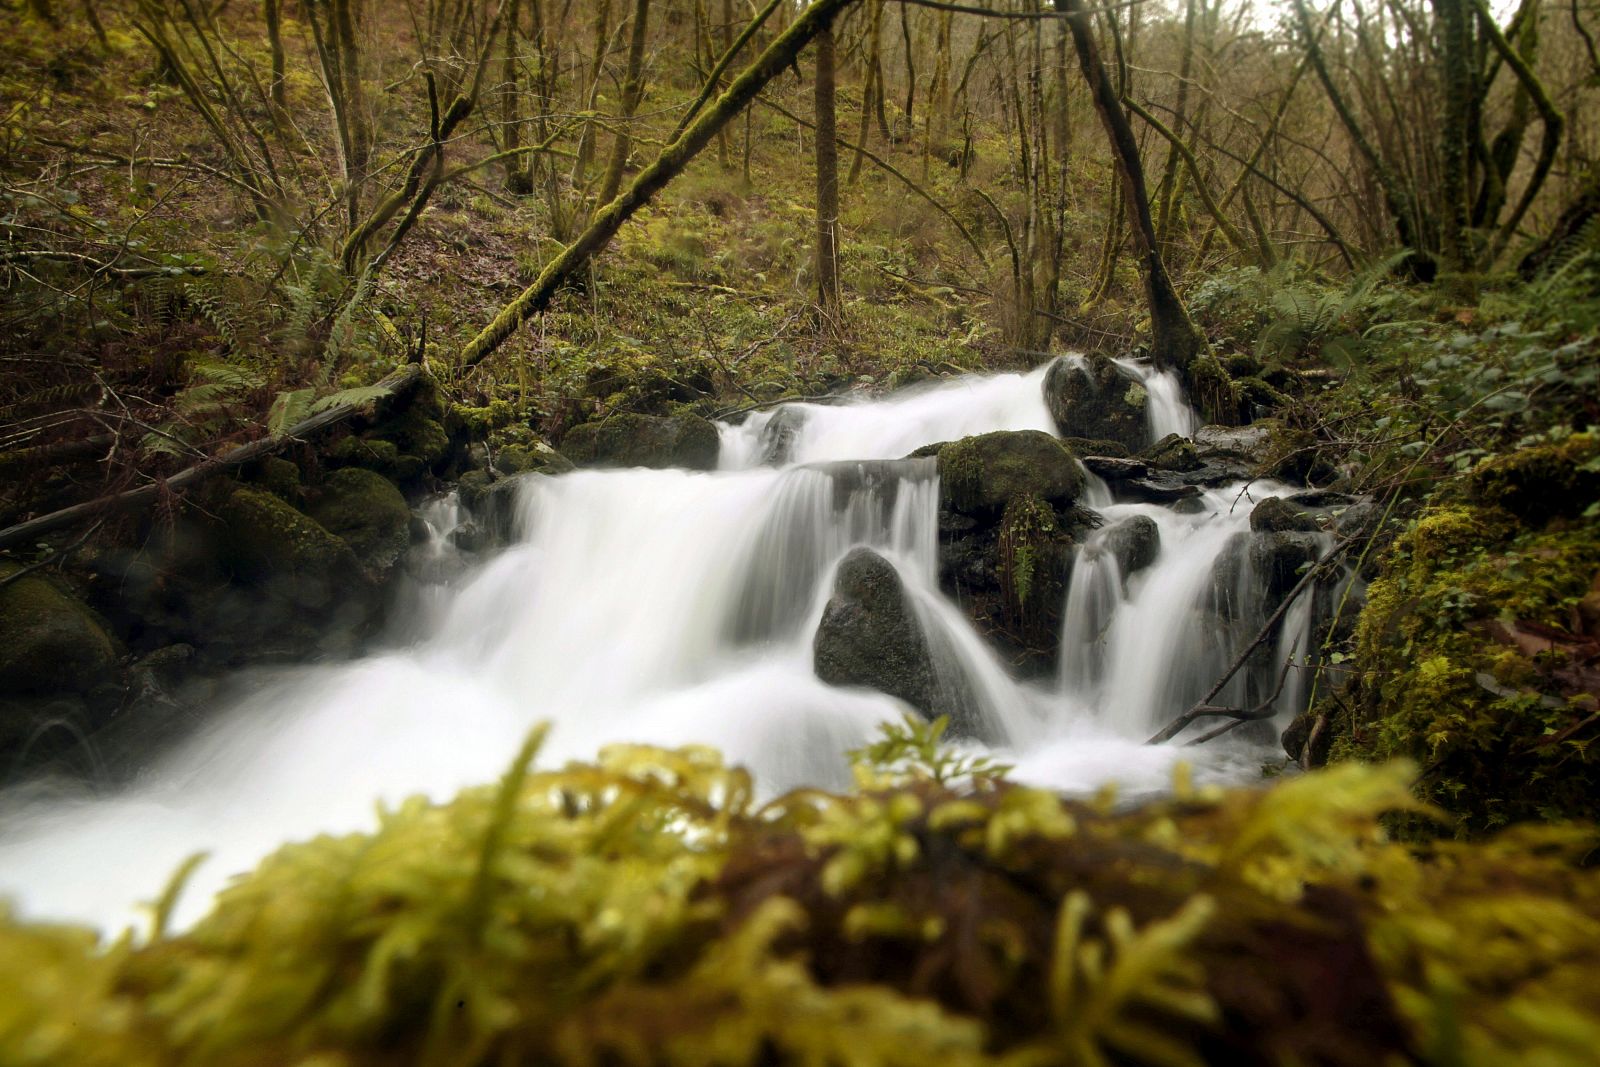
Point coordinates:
pixel 1203 708
pixel 25 532
pixel 1238 716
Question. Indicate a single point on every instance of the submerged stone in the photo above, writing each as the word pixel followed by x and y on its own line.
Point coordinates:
pixel 1134 543
pixel 869 636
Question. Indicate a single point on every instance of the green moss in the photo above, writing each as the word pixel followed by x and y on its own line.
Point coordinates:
pixel 478 422
pixel 990 470
pixel 279 477
pixel 49 642
pixel 265 537
pixel 646 909
pixel 1212 390
pixel 1454 673
pixel 1543 482
pixel 369 513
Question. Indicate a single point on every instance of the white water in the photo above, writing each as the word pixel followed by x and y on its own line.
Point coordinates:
pixel 660 607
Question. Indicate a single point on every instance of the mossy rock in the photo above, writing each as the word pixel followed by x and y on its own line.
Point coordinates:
pixel 537 457
pixel 1277 515
pixel 1172 453
pixel 1212 391
pixel 1094 446
pixel 279 477
pixel 628 440
pixel 1461 664
pixel 369 513
pixel 1032 557
pixel 1543 482
pixel 1134 542
pixel 264 539
pixel 50 642
pixel 986 472
pixel 371 453
pixel 1092 397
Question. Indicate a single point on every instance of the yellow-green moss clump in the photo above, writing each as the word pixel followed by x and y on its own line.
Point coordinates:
pixel 645 910
pixel 1472 656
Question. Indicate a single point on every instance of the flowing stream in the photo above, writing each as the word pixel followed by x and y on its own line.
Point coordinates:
pixel 673 607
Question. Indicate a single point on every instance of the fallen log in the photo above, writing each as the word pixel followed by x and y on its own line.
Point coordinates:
pixel 395 385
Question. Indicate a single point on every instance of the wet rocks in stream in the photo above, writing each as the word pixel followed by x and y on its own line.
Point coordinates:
pixel 870 636
pixel 1092 397
pixel 1007 524
pixel 657 441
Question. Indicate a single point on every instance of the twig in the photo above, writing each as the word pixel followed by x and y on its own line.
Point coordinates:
pixel 1203 707
pixel 54 557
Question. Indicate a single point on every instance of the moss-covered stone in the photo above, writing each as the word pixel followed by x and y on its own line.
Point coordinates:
pixel 369 513
pixel 49 642
pixel 1470 659
pixel 1541 483
pixel 1032 555
pixel 1172 453
pixel 1212 390
pixel 1277 515
pixel 987 472
pixel 537 457
pixel 1092 446
pixel 628 440
pixel 1091 397
pixel 266 539
pixel 279 477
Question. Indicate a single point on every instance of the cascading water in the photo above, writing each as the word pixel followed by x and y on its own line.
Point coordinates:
pixel 664 607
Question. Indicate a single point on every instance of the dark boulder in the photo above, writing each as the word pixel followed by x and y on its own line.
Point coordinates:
pixel 1116 468
pixel 1278 560
pixel 1092 397
pixel 1134 542
pixel 869 636
pixel 657 441
pixel 1277 515
pixel 50 642
pixel 984 473
pixel 1172 453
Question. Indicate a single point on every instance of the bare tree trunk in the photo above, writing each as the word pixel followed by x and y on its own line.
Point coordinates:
pixel 269 11
pixel 1174 338
pixel 827 153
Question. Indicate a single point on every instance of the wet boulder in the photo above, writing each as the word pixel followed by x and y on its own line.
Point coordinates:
pixel 368 513
pixel 869 636
pixel 779 434
pixel 1243 450
pixel 1173 452
pixel 1277 515
pixel 1134 543
pixel 1278 560
pixel 1092 397
pixel 656 441
pixel 984 473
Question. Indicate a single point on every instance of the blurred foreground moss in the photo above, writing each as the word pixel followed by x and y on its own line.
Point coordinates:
pixel 645 910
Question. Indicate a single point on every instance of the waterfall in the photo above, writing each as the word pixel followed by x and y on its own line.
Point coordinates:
pixel 665 607
pixel 1166 410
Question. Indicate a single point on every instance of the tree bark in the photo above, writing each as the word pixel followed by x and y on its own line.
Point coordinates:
pixel 632 93
pixel 827 157
pixel 1174 338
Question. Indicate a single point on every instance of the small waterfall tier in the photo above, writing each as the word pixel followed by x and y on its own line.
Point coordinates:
pixel 676 607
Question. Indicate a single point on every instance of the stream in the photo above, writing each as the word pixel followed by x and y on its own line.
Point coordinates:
pixel 673 607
